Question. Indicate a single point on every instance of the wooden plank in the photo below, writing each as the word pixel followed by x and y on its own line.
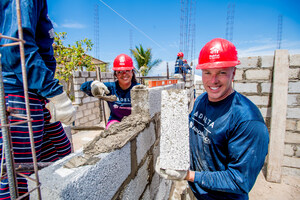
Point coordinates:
pixel 278 116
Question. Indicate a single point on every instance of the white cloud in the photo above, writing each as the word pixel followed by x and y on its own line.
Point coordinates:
pixel 73 25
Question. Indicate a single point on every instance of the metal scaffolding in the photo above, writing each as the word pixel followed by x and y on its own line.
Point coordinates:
pixel 12 169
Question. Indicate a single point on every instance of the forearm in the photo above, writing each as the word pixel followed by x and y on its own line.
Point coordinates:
pixel 190 176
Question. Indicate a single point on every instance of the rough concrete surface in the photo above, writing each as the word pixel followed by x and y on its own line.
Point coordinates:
pixel 174 138
pixel 117 135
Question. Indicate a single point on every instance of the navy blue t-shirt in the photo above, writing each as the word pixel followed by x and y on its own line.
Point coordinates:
pixel 228 145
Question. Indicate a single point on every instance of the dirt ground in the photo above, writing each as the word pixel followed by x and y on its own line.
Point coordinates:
pixel 288 189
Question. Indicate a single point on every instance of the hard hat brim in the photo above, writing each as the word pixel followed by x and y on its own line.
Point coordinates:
pixel 221 64
pixel 122 68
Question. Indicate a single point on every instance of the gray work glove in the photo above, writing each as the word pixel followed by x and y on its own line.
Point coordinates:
pixel 170 173
pixel 61 109
pixel 98 89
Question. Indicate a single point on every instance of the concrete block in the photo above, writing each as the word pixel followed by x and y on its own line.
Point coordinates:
pixel 295 60
pixel 293 113
pixel 258 74
pixel 144 141
pixel 291 124
pixel 164 189
pixel 239 74
pixel 135 188
pixel 298 126
pixel 266 87
pixel 79 114
pixel 78 94
pixel 84 74
pixel 154 100
pixel 266 112
pixel 245 87
pixel 86 182
pixel 93 74
pixel 86 99
pixel 188 84
pixel 76 74
pixel 174 138
pixel 248 62
pixel 146 195
pixel 294 73
pixel 288 150
pixel 267 61
pixel 291 162
pixel 291 137
pixel 77 101
pixel 290 171
pixel 83 120
pixel 77 87
pixel 87 112
pixel 293 100
pixel 79 81
pixel 259 100
pixel 294 87
pixel 92 117
pixel 90 79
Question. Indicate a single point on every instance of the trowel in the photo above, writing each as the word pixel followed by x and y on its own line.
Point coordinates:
pixel 110 98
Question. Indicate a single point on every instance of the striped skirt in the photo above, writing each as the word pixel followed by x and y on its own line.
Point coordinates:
pixel 50 139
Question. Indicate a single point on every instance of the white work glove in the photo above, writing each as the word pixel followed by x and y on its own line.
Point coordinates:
pixel 61 109
pixel 170 174
pixel 98 89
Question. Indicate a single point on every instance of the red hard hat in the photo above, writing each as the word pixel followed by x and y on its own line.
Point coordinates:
pixel 180 54
pixel 218 53
pixel 123 62
pixel 184 60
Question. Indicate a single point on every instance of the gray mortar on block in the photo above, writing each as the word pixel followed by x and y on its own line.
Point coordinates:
pixel 174 137
pixel 117 136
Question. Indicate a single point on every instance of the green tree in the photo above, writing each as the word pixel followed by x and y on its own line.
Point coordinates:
pixel 144 59
pixel 71 58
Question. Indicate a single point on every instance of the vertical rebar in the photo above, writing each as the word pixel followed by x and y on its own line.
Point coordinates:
pixel 11 174
pixel 25 86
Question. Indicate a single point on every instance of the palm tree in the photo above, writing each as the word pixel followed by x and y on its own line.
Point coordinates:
pixel 144 59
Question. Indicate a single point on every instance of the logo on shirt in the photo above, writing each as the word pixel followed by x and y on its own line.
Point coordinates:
pixel 204 119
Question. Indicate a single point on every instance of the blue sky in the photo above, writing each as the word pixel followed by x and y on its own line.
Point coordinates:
pixel 156 24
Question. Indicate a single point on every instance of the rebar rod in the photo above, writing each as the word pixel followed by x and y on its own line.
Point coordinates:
pixel 11 174
pixel 25 86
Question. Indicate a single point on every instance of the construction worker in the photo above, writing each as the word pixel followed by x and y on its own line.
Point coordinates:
pixel 228 135
pixel 124 72
pixel 186 66
pixel 51 142
pixel 179 63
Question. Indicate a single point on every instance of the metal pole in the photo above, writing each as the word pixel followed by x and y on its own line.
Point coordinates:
pixel 24 76
pixel 168 71
pixel 11 174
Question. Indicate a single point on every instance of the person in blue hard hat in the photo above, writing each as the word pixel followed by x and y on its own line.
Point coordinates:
pixel 124 72
pixel 51 142
pixel 228 136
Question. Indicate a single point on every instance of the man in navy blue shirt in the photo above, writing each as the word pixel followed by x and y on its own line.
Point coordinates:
pixel 228 136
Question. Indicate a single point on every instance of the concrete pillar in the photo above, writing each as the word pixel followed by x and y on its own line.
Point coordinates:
pixel 278 116
pixel 174 139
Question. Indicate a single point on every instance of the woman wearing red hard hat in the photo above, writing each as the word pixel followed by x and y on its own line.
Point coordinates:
pixel 123 71
pixel 228 136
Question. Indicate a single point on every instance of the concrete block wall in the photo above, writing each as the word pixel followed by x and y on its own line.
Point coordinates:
pixel 89 109
pixel 254 79
pixel 124 172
